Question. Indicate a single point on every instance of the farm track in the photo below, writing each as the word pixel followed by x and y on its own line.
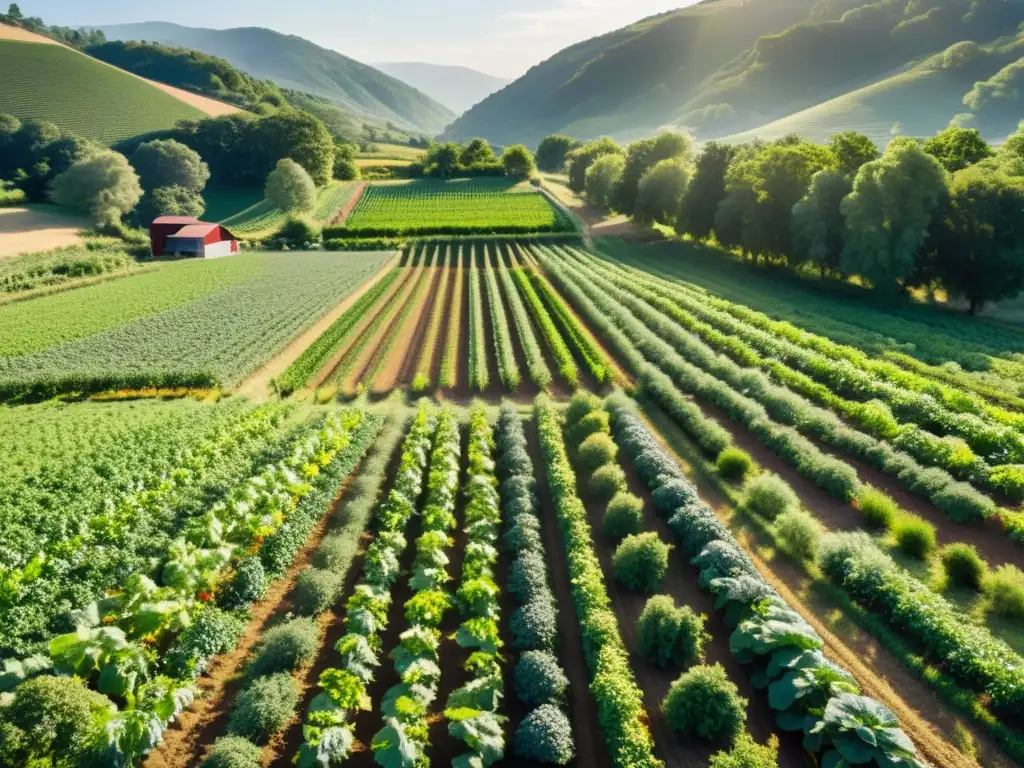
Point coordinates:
pixel 923 715
pixel 400 366
pixel 256 387
pixel 681 583
pixel 199 726
pixel 338 219
pixel 590 749
pixel 367 362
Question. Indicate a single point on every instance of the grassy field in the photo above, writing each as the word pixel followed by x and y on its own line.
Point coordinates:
pixel 81 95
pixel 245 212
pixel 400 152
pixel 427 205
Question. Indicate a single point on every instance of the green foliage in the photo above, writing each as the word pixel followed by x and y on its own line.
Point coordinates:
pixel 747 753
pixel 582 404
pixel 705 192
pixel 661 192
pixel 704 703
pixel 168 201
pixel 103 185
pixel 800 533
pixel 769 495
pixel 539 679
pixel 1005 589
pixel 668 635
pixel 956 148
pixel 602 179
pixel 671 152
pixel 518 162
pixel 818 222
pixel 263 707
pixel 212 632
pixel 606 482
pixel 591 424
pixel 286 647
pixel 852 150
pixel 233 752
pixel 579 160
pixel 879 511
pixel 596 451
pixel 734 464
pixel 290 188
pixel 545 735
pixel 964 566
pixel 316 590
pixel 624 516
pixel 168 163
pixel 1008 480
pixel 552 151
pixel 641 561
pixel 858 726
pixel 534 624
pixel 915 536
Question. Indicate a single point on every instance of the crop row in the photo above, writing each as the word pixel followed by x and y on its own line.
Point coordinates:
pixel 820 378
pixel 541 684
pixel 227 554
pixel 328 728
pixel 719 380
pixel 428 354
pixel 535 364
pixel 508 369
pixel 479 377
pixel 385 343
pixel 405 737
pixel 621 715
pixel 448 376
pixel 809 693
pixel 473 709
pixel 320 351
pixel 563 357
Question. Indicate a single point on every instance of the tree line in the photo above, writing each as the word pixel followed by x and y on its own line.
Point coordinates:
pixel 77 38
pixel 475 158
pixel 942 213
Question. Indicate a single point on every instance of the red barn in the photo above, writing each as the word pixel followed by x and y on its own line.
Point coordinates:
pixel 187 236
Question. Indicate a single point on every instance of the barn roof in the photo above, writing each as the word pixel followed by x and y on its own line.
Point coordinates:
pixel 176 220
pixel 196 230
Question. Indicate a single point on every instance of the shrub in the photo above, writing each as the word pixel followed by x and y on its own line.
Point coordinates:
pixel 606 482
pixel 667 635
pixel 734 464
pixel 534 625
pixel 212 632
pixel 286 647
pixel 963 503
pixel 263 707
pixel 290 187
pixel 799 534
pixel 769 495
pixel 915 536
pixel 581 404
pixel 1008 479
pixel 596 451
pixel 704 702
pixel 1005 589
pixel 539 679
pixel 545 735
pixel 595 422
pixel 641 561
pixel 53 716
pixel 878 510
pixel 524 535
pixel 233 752
pixel 316 590
pixel 247 586
pixel 672 495
pixel 298 232
pixel 624 516
pixel 527 578
pixel 964 566
pixel 747 753
pixel 335 553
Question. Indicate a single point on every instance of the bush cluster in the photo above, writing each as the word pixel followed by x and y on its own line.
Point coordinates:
pixel 624 516
pixel 233 752
pixel 668 635
pixel 641 561
pixel 963 565
pixel 703 702
pixel 286 647
pixel 263 707
pixel 734 464
pixel 769 495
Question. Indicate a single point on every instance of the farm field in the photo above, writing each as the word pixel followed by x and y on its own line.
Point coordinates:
pixel 454 206
pixel 247 214
pixel 81 95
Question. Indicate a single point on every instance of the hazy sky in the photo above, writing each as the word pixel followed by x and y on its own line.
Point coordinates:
pixel 502 38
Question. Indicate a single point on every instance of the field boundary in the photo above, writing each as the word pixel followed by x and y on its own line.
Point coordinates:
pixel 346 210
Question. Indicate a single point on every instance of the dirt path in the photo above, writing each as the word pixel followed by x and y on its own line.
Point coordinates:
pixel 401 362
pixel 590 747
pixel 593 223
pixel 339 218
pixel 879 673
pixel 257 386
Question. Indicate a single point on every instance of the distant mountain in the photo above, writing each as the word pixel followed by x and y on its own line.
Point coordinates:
pixel 458 88
pixel 726 66
pixel 293 62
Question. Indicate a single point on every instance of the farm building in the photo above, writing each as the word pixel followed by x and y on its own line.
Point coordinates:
pixel 187 236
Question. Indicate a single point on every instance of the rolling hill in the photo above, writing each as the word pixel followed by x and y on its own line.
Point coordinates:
pixel 81 95
pixel 295 63
pixel 458 88
pixel 722 67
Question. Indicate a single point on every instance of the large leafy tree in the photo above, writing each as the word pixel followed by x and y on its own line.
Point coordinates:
pixel 888 213
pixel 852 150
pixel 705 192
pixel 301 137
pixel 602 178
pixel 581 158
pixel 518 162
pixel 552 151
pixel 169 163
pixel 642 156
pixel 660 192
pixel 817 224
pixel 956 148
pixel 443 159
pixel 477 152
pixel 290 188
pixel 104 185
pixel 978 237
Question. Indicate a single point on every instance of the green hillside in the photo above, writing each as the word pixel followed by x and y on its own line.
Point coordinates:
pixel 293 62
pixel 81 95
pixel 725 66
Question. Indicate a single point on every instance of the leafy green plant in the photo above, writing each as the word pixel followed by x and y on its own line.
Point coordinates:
pixel 482 731
pixel 747 753
pixel 233 752
pixel 915 536
pixel 596 451
pixel 879 511
pixel 734 464
pixel 1005 589
pixel 640 562
pixel 315 591
pixel 703 702
pixel 668 635
pixel 964 566
pixel 857 730
pixel 606 482
pixel 286 647
pixel 539 679
pixel 427 607
pixel 800 534
pixel 263 707
pixel 624 516
pixel 769 495
pixel 545 735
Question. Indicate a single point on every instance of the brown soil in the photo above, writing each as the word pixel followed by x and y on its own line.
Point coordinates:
pixel 257 385
pixel 494 386
pixel 339 218
pixel 371 353
pixel 879 673
pixel 28 229
pixel 590 747
pixel 383 305
pixel 430 359
pixel 461 390
pixel 400 366
pixel 199 726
